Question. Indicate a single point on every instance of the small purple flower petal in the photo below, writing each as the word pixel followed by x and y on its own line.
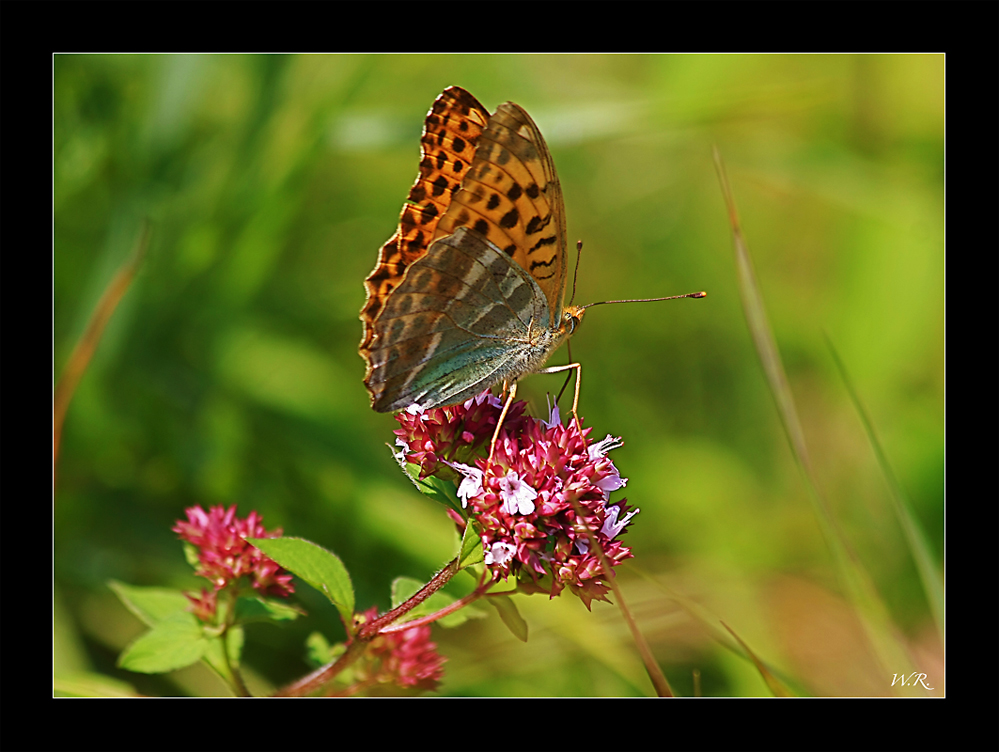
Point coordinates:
pixel 554 419
pixel 471 484
pixel 601 448
pixel 611 526
pixel 500 553
pixel 485 396
pixel 517 496
pixel 400 456
pixel 610 483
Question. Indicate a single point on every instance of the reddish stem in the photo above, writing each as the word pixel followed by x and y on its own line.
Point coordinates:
pixel 439 580
pixel 450 609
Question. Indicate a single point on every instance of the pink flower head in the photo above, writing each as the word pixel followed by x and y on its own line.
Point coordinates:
pixel 223 553
pixel 447 434
pixel 407 658
pixel 522 502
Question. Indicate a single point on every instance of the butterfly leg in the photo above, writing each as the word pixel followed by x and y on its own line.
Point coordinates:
pixel 502 417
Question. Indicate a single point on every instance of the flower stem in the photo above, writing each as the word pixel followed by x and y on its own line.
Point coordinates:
pixel 311 682
pixel 449 609
pixel 651 667
pixel 239 687
pixel 439 580
pixel 319 677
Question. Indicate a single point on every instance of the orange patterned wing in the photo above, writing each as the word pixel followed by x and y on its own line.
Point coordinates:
pixel 464 318
pixel 450 134
pixel 511 197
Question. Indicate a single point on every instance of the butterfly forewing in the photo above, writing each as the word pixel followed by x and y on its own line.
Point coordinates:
pixel 450 134
pixel 511 196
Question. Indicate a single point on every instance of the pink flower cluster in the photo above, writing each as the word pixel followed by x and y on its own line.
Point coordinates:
pixel 224 555
pixel 430 438
pixel 522 502
pixel 407 658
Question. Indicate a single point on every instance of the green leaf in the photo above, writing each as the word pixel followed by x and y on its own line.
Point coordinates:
pixel 404 588
pixel 471 548
pixel 175 642
pixel 85 684
pixel 461 616
pixel 441 491
pixel 320 568
pixel 150 604
pixel 319 652
pixel 510 585
pixel 511 617
pixel 255 608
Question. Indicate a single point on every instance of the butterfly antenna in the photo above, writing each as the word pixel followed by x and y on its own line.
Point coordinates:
pixel 575 273
pixel 648 300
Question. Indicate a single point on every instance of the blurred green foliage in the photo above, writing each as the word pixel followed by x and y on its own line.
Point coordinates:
pixel 229 374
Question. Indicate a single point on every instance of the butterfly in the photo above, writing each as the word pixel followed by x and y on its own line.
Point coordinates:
pixel 469 291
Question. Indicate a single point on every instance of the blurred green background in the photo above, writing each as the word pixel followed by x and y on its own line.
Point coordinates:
pixel 229 374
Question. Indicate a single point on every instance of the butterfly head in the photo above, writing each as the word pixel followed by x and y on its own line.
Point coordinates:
pixel 571 318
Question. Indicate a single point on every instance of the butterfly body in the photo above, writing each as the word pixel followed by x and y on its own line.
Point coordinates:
pixel 468 293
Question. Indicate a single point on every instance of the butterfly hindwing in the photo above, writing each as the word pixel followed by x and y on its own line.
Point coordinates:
pixel 462 314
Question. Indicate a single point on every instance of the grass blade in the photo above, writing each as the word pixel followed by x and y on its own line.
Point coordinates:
pixel 870 608
pixel 928 570
pixel 79 359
